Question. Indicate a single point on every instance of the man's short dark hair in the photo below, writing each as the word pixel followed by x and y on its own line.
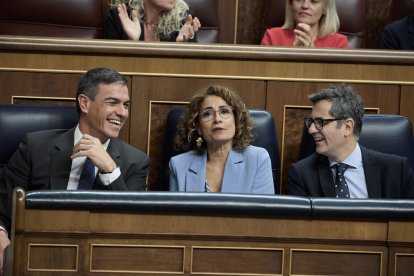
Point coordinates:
pixel 88 84
pixel 346 103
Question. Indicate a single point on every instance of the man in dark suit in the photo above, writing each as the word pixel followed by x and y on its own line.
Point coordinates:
pixel 399 35
pixel 335 125
pixel 54 159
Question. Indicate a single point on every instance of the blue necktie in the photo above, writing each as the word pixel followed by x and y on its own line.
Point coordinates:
pixel 87 177
pixel 341 187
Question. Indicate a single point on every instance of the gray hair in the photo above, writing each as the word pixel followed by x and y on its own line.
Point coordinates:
pixel 346 103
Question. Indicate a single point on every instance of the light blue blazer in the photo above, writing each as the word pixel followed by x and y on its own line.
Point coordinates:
pixel 248 172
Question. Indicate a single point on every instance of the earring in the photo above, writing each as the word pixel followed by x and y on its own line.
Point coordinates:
pixel 199 142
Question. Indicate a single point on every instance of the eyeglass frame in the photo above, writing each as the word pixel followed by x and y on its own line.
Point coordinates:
pixel 202 120
pixel 323 123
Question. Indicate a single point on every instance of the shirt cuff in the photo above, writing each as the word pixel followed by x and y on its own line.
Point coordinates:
pixel 108 178
pixel 4 230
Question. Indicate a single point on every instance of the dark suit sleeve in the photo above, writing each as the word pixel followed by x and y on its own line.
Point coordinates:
pixel 133 178
pixel 296 184
pixel 134 168
pixel 113 27
pixel 15 174
pixel 389 41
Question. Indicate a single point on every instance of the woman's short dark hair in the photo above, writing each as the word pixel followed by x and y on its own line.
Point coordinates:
pixel 187 128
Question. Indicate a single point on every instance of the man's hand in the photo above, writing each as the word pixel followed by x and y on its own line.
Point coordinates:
pixel 131 25
pixel 189 29
pixel 303 36
pixel 4 242
pixel 92 148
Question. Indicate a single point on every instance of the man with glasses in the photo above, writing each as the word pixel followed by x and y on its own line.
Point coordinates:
pixel 340 167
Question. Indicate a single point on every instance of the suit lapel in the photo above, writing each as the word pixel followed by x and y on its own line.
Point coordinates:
pixel 60 161
pixel 195 178
pixel 233 172
pixel 372 174
pixel 325 176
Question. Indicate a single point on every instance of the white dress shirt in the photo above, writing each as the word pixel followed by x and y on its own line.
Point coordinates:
pixel 77 165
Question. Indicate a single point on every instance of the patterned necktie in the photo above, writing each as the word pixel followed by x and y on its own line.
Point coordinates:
pixel 341 188
pixel 87 177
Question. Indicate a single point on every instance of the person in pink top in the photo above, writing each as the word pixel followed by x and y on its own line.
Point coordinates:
pixel 308 23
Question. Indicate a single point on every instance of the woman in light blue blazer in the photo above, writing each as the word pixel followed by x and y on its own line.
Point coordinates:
pixel 216 130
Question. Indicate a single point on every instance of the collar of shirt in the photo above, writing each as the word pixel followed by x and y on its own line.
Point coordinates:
pixel 354 160
pixel 77 163
pixel 78 136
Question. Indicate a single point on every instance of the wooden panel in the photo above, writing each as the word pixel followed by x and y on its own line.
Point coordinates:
pixel 240 226
pixel 404 264
pixel 36 84
pixel 157 127
pixel 227 16
pixel 136 258
pixel 318 262
pixel 52 257
pixel 249 29
pixel 248 261
pixel 401 231
pixel 58 220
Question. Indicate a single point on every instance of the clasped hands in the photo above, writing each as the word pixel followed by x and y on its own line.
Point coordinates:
pixel 303 36
pixel 132 26
pixel 93 149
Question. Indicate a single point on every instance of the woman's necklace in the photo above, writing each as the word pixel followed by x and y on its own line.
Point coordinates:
pixel 151 25
pixel 151 31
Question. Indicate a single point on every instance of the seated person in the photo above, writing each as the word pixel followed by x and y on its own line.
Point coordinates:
pixel 217 128
pixel 399 35
pixel 308 23
pixel 340 167
pixel 88 156
pixel 151 20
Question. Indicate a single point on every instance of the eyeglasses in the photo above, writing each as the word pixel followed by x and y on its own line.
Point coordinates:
pixel 319 122
pixel 224 112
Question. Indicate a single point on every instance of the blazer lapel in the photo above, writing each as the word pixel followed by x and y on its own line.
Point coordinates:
pixel 372 174
pixel 233 172
pixel 325 177
pixel 60 161
pixel 195 179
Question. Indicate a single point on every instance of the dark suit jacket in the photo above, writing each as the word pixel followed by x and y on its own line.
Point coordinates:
pixel 42 162
pixel 386 176
pixel 399 35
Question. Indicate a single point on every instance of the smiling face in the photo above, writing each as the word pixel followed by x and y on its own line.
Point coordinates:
pixel 216 130
pixel 104 116
pixel 332 141
pixel 307 11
